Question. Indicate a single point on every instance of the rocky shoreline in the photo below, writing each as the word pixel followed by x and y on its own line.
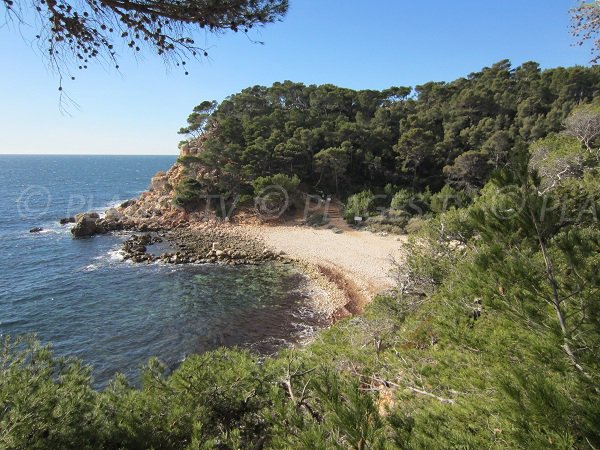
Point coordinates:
pixel 214 245
pixel 209 242
pixel 159 231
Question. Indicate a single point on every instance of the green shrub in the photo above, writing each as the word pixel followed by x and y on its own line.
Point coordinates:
pixel 46 402
pixel 402 199
pixel 188 159
pixel 448 198
pixel 275 190
pixel 245 200
pixel 411 202
pixel 289 184
pixel 414 225
pixel 391 221
pixel 189 193
pixel 362 205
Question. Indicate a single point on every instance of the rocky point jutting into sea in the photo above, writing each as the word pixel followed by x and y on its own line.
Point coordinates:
pixel 195 236
pixel 161 231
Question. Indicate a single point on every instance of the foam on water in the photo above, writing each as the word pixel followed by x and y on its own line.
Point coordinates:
pixel 81 296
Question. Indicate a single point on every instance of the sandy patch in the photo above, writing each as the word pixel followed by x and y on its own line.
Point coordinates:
pixel 357 263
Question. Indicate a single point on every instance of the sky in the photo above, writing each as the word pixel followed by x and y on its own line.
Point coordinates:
pixel 355 44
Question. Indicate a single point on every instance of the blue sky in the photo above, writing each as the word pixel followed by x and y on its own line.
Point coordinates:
pixel 351 43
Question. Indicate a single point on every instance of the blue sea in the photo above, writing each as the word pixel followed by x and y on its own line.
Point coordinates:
pixel 80 296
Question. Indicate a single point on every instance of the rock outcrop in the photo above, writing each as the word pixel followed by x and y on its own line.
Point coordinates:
pixel 233 248
pixel 85 225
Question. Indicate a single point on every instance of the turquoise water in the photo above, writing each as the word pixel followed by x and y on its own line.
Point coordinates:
pixel 80 296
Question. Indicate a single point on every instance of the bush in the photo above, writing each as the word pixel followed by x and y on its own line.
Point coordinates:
pixel 411 202
pixel 414 225
pixel 448 198
pixel 275 190
pixel 246 200
pixel 391 221
pixel 362 205
pixel 188 160
pixel 402 199
pixel 289 184
pixel 189 193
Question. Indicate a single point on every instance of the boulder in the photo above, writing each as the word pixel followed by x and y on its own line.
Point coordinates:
pixel 85 226
pixel 113 214
pixel 89 215
pixel 102 227
pixel 66 220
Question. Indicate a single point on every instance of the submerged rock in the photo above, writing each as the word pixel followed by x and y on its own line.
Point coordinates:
pixel 36 230
pixel 66 220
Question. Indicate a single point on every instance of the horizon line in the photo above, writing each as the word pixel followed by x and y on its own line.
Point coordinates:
pixel 86 154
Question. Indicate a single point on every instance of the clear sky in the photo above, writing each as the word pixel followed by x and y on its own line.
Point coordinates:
pixel 357 44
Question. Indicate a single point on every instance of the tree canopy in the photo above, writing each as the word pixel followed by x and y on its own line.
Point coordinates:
pixel 586 25
pixel 343 141
pixel 76 33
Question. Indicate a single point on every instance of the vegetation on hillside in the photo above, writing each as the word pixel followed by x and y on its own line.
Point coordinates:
pixel 340 141
pixel 491 339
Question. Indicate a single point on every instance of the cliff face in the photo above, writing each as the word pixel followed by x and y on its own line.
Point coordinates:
pixel 192 147
pixel 154 208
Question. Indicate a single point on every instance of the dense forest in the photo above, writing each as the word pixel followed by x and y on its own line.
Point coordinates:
pixel 341 141
pixel 491 338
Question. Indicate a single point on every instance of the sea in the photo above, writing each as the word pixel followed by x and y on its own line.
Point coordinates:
pixel 83 299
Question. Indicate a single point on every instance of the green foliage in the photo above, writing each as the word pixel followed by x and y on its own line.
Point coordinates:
pixel 469 170
pixel 557 158
pixel 189 193
pixel 287 183
pixel 490 340
pixel 402 199
pixel 362 205
pixel 46 402
pixel 199 119
pixel 410 202
pixel 584 125
pixel 448 198
pixel 414 225
pixel 333 161
pixel 277 191
pixel 390 221
pixel 317 220
pixel 343 141
pixel 188 160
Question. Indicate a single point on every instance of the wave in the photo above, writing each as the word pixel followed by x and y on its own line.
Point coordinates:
pixel 116 255
pixel 90 268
